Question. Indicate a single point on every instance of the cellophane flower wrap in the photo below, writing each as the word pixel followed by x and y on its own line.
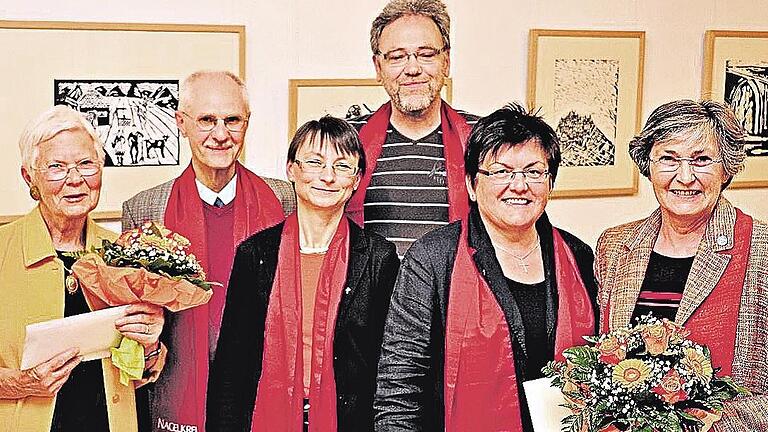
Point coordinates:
pixel 148 264
pixel 646 378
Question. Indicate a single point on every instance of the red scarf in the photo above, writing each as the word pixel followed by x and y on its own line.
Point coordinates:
pixel 280 393
pixel 480 385
pixel 455 133
pixel 184 384
pixel 715 321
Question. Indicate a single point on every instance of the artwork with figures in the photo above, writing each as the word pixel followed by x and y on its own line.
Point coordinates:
pixel 746 90
pixel 586 96
pixel 134 118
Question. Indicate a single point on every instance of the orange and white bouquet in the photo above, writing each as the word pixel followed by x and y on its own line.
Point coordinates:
pixel 646 378
pixel 148 264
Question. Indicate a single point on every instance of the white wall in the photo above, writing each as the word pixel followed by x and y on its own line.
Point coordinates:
pixel 329 39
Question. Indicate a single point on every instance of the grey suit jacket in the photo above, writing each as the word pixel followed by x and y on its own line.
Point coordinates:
pixel 149 205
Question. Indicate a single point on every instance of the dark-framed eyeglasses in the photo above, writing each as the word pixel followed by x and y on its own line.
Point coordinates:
pixel 506 176
pixel 424 56
pixel 56 171
pixel 315 166
pixel 700 164
pixel 208 122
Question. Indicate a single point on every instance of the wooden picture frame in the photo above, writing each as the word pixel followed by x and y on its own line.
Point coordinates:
pixel 43 52
pixel 588 87
pixel 345 98
pixel 736 72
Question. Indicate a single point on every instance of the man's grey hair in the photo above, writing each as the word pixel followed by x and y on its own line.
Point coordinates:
pixel 47 125
pixel 186 94
pixel 693 121
pixel 434 9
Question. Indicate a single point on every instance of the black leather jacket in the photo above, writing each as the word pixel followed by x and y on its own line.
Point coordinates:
pixel 409 393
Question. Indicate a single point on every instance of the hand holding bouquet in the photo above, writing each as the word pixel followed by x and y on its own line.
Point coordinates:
pixel 148 267
pixel 646 378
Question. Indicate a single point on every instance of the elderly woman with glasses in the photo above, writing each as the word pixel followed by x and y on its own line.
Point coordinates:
pixel 62 159
pixel 482 304
pixel 697 260
pixel 304 316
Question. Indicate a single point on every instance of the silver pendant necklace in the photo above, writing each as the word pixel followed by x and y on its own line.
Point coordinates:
pixel 521 258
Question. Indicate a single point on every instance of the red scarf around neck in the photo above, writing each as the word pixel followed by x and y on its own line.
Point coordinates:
pixel 481 389
pixel 455 133
pixel 715 321
pixel 256 207
pixel 280 393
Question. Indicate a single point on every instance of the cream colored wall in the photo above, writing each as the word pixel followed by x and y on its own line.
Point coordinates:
pixel 329 39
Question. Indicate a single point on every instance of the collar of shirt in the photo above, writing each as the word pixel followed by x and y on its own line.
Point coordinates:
pixel 227 194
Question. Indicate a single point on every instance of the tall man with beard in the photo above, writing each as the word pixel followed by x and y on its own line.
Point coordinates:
pixel 216 203
pixel 414 142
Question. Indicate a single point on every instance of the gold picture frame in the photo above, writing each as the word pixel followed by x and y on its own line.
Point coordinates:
pixel 736 72
pixel 588 87
pixel 46 51
pixel 311 98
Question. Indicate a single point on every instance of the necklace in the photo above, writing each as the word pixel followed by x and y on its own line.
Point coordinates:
pixel 520 258
pixel 70 282
pixel 313 250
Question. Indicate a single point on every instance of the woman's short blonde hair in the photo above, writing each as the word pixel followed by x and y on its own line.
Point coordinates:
pixel 47 125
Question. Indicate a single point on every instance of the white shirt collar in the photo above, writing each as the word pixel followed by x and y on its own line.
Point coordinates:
pixel 227 194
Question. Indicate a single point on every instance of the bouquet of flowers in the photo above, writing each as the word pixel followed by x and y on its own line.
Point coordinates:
pixel 646 378
pixel 148 264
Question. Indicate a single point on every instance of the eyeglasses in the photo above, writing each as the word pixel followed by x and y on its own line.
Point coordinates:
pixel 314 166
pixel 207 123
pixel 506 176
pixel 423 56
pixel 56 171
pixel 698 164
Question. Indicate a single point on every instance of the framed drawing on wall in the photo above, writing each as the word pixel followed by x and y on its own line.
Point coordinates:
pixel 736 72
pixel 588 87
pixel 344 98
pixel 124 78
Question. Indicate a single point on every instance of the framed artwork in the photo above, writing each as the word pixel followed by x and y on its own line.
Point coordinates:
pixel 344 98
pixel 588 87
pixel 124 78
pixel 736 72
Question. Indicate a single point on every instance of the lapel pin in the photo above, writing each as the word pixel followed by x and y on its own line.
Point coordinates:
pixel 347 290
pixel 722 240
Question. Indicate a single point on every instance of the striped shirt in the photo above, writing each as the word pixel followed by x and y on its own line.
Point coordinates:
pixel 408 195
pixel 663 286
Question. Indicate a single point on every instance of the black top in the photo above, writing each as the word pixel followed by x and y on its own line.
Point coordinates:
pixel 236 370
pixel 81 402
pixel 531 300
pixel 663 286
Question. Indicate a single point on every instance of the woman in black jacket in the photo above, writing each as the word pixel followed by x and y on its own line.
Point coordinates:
pixel 482 304
pixel 302 327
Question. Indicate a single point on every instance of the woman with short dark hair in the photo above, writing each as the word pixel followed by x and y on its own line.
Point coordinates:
pixel 301 333
pixel 482 304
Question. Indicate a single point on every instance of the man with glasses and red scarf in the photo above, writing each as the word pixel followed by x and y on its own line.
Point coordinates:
pixel 414 142
pixel 216 203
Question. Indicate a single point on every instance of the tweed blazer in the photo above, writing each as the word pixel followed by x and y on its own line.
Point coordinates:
pixel 620 264
pixel 150 204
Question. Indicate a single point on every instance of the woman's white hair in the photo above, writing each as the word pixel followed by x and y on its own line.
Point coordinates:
pixel 47 125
